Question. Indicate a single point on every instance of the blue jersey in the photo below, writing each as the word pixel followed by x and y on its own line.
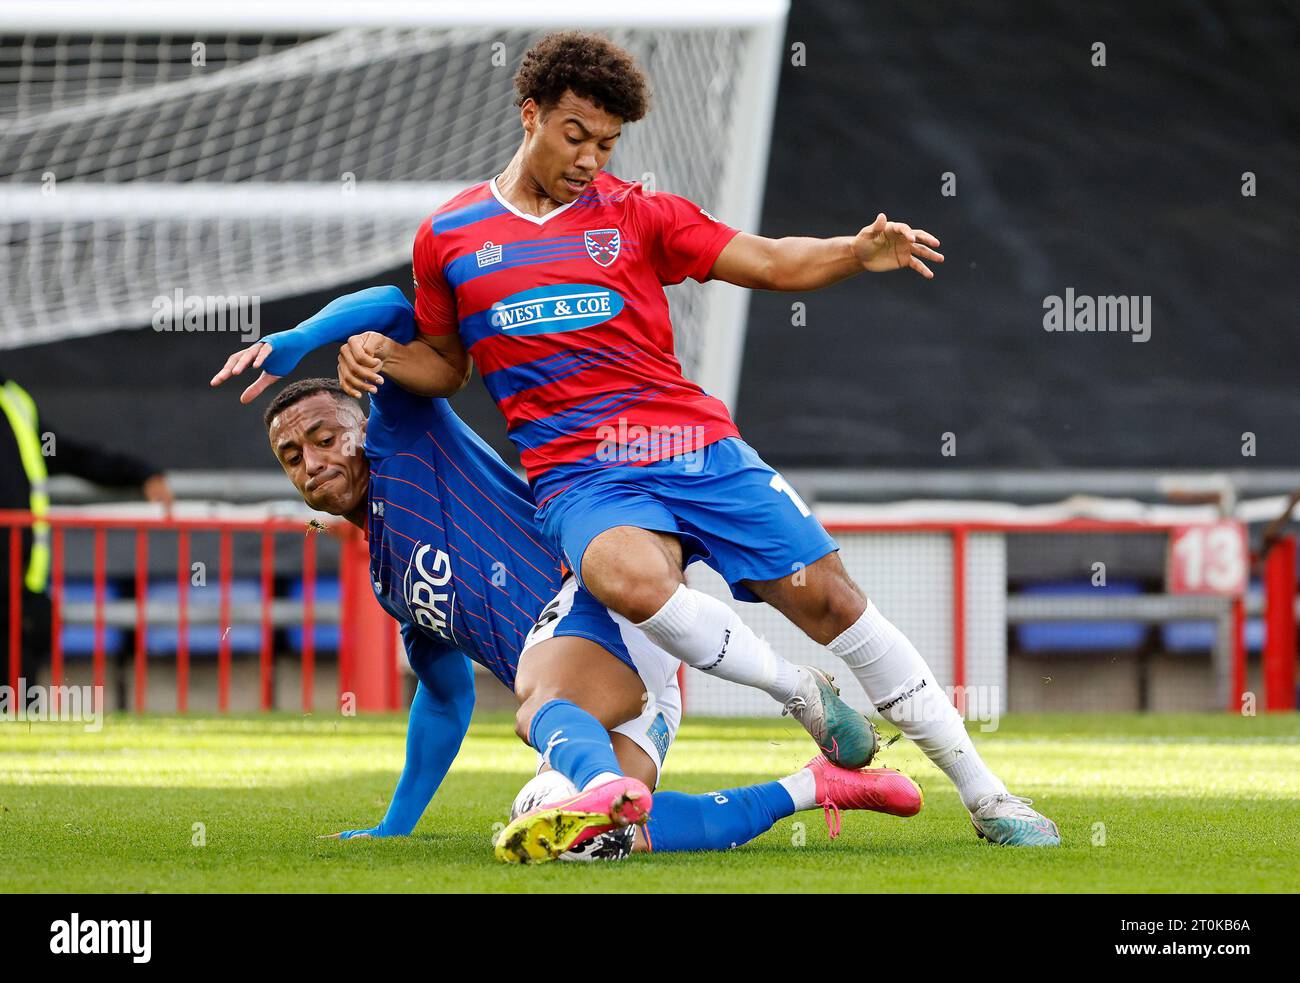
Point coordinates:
pixel 454 549
pixel 455 553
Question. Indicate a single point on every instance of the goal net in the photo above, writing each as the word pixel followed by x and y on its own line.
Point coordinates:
pixel 231 151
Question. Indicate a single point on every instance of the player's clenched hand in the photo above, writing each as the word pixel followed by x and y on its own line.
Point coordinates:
pixel 360 361
pixel 884 245
pixel 253 355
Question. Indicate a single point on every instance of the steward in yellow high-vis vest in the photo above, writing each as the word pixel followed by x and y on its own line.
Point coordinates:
pixel 30 452
pixel 20 410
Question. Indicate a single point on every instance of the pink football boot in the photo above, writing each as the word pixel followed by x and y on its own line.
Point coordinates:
pixel 874 789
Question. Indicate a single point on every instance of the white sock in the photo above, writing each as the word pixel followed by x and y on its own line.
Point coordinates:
pixel 705 633
pixel 601 779
pixel 802 786
pixel 906 693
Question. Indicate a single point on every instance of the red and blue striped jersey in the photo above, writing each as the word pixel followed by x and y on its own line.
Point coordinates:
pixel 566 318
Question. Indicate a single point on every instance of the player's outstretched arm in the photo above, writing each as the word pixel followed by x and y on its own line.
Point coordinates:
pixel 440 713
pixel 380 311
pixel 802 263
pixel 254 356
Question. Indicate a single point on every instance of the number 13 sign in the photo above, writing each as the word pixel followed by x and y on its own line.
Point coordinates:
pixel 1213 558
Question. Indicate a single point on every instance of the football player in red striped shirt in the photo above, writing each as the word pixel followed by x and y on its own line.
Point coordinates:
pixel 550 277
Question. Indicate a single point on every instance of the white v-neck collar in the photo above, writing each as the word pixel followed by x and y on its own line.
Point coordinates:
pixel 535 219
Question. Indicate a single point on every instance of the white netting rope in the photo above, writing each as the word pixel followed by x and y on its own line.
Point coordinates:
pixel 127 172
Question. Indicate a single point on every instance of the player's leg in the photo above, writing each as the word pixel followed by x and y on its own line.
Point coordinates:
pixel 632 570
pixel 630 554
pixel 571 694
pixel 636 571
pixel 578 653
pixel 768 545
pixel 576 682
pixel 714 820
pixel 549 786
pixel 682 822
pixel 832 610
pixel 722 819
pixel 640 745
pixel 733 817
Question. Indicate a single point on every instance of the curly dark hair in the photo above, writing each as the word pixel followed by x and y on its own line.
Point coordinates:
pixel 296 391
pixel 592 66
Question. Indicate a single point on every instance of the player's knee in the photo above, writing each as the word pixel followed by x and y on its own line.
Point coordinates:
pixel 632 571
pixel 524 717
pixel 845 606
pixel 610 709
pixel 643 600
pixel 634 592
pixel 833 610
pixel 532 697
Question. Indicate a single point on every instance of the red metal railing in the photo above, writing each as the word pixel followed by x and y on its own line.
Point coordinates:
pixel 182 610
pixel 367 650
pixel 365 640
pixel 959 619
pixel 15 605
pixel 1279 656
pixel 1280 631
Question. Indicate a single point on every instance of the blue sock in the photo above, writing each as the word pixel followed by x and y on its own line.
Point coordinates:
pixel 573 742
pixel 715 820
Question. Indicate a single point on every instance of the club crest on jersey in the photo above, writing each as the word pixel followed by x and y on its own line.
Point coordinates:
pixel 602 245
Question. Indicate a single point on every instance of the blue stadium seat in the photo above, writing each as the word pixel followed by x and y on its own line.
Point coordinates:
pixel 326 636
pixel 1201 636
pixel 205 640
pixel 79 640
pixel 1074 636
pixel 1189 636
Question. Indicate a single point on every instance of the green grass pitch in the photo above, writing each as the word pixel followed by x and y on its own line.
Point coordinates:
pixel 1145 803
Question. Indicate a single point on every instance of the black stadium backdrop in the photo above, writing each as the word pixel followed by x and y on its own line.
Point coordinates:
pixel 1124 180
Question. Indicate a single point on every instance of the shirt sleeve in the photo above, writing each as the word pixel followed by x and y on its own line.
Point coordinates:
pixel 435 304
pixel 680 238
pixel 440 714
pixel 382 309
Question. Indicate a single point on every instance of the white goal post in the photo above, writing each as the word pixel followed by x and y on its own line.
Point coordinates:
pixel 262 149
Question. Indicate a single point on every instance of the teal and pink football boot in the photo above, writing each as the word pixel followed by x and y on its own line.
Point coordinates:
pixel 847 738
pixel 1007 820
